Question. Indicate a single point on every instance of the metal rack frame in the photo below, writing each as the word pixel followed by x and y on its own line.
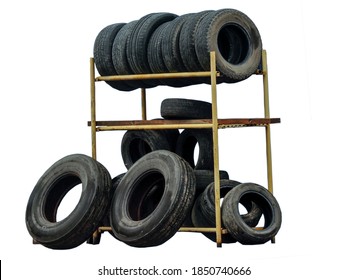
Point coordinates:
pixel 214 124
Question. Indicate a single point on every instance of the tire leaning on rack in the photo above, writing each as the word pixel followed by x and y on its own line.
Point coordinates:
pixel 105 221
pixel 54 184
pixel 235 39
pixel 188 141
pixel 137 143
pixel 206 177
pixel 203 212
pixel 267 203
pixel 152 200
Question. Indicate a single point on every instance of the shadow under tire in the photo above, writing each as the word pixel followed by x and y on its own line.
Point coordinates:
pixel 152 200
pixel 54 184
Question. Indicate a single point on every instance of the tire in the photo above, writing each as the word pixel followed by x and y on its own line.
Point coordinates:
pixel 50 190
pixel 154 50
pixel 180 108
pixel 203 179
pixel 237 227
pixel 114 185
pixel 188 140
pixel 203 213
pixel 105 221
pixel 103 55
pixel 138 40
pixel 153 199
pixel 234 38
pixel 137 143
pixel 187 41
pixel 171 52
pixel 206 177
pixel 119 55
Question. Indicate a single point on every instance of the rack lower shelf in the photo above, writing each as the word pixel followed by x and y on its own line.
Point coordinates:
pixel 181 124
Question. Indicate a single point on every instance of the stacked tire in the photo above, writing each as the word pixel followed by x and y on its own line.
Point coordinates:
pixel 164 188
pixel 168 43
pixel 169 178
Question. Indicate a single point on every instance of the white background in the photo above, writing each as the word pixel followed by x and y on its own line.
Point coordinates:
pixel 45 50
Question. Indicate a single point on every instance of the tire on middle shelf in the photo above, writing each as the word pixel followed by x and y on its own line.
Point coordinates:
pixel 182 108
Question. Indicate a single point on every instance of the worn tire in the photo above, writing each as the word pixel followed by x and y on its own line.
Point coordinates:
pixel 138 40
pixel 187 41
pixel 203 213
pixel 171 52
pixel 235 39
pixel 188 140
pixel 153 199
pixel 137 143
pixel 206 177
pixel 181 109
pixel 154 50
pixel 267 203
pixel 50 190
pixel 119 55
pixel 103 55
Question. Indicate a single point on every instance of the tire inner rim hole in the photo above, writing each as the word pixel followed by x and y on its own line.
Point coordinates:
pixel 191 151
pixel 233 44
pixel 146 195
pixel 138 148
pixel 63 198
pixel 267 215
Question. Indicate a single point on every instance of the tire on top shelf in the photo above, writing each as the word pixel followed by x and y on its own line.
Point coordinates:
pixel 235 39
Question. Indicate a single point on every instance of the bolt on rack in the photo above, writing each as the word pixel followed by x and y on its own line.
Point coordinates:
pixel 214 124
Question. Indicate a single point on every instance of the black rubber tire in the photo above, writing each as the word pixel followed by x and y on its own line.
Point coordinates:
pixel 103 55
pixel 237 227
pixel 187 41
pixel 114 185
pixel 188 140
pixel 50 190
pixel 206 177
pixel 180 108
pixel 119 55
pixel 171 52
pixel 154 50
pixel 138 40
pixel 137 143
pixel 153 199
pixel 235 39
pixel 203 213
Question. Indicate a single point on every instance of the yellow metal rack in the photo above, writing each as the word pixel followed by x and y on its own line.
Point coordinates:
pixel 213 124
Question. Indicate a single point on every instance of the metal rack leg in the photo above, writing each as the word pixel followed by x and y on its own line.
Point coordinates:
pixel 215 150
pixel 95 238
pixel 143 104
pixel 92 106
pixel 267 127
